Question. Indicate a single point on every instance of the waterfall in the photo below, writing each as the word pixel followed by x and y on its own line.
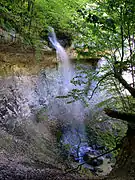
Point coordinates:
pixel 67 72
pixel 65 66
pixel 76 134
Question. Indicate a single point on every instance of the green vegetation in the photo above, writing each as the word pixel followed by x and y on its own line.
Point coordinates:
pixel 107 133
pixel 31 18
pixel 101 28
pixel 106 29
pixel 42 115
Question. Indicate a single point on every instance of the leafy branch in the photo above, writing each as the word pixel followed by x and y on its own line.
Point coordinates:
pixel 99 82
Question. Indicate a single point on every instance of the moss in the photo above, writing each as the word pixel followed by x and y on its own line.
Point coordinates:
pixel 41 115
pixel 106 134
pixel 92 135
pixel 85 171
pixel 106 139
pixel 58 135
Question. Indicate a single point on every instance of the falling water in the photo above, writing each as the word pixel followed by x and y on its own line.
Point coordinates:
pixel 64 62
pixel 67 71
pixel 76 109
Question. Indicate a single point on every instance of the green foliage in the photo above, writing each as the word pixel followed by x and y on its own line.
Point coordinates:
pixel 41 115
pixel 92 135
pixel 59 135
pixel 85 171
pixel 106 29
pixel 105 134
pixel 31 18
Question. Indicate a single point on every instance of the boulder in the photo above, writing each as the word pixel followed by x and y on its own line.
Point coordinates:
pixel 93 162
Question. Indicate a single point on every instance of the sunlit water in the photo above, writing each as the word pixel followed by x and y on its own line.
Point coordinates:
pixel 65 66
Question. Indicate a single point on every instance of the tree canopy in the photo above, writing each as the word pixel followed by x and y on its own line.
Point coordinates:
pixel 106 29
pixel 31 18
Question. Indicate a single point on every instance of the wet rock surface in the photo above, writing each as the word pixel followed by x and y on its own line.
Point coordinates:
pixel 88 159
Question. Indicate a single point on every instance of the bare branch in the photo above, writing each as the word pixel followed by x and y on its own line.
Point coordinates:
pixel 107 74
pixel 128 117
pixel 122 34
pixel 127 86
pixel 75 169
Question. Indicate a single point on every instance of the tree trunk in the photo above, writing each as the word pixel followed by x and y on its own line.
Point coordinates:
pixel 125 164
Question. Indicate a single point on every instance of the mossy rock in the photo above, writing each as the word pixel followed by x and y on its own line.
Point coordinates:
pixel 41 115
